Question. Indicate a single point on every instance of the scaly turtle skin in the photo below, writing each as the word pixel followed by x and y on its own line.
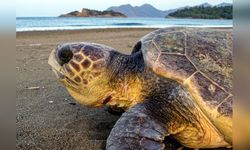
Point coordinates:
pixel 177 82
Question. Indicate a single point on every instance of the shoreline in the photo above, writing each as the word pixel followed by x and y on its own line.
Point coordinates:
pixel 81 31
pixel 126 28
pixel 87 30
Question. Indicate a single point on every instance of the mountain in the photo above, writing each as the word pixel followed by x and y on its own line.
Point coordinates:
pixel 219 5
pixel 205 5
pixel 224 4
pixel 145 10
pixel 176 9
pixel 94 13
pixel 125 9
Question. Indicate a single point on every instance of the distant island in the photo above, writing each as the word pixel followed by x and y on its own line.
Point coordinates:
pixel 201 12
pixel 94 13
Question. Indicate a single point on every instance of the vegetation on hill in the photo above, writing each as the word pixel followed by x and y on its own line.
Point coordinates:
pixel 93 13
pixel 201 12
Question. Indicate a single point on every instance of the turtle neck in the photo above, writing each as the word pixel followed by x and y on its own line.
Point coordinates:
pixel 121 65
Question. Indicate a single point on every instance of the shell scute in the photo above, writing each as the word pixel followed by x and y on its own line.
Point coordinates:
pixel 224 109
pixel 211 94
pixel 173 42
pixel 177 65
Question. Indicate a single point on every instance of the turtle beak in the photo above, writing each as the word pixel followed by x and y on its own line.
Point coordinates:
pixel 54 64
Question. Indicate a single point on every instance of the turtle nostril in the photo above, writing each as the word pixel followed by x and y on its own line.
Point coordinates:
pixel 64 55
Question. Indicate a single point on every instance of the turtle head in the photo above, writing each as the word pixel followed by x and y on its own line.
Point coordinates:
pixel 82 68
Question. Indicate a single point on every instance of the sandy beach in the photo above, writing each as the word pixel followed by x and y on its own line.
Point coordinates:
pixel 47 117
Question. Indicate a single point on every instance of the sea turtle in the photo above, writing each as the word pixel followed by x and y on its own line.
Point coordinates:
pixel 177 82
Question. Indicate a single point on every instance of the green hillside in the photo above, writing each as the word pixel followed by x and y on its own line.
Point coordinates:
pixel 225 12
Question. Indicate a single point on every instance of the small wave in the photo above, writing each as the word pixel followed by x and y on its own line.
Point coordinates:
pixel 77 25
pixel 187 24
pixel 128 24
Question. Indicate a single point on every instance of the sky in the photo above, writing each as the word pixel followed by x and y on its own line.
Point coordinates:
pixel 31 8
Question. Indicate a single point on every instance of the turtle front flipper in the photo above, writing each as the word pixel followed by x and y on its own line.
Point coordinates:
pixel 136 129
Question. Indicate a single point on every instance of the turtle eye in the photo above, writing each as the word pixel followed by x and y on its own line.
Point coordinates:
pixel 64 55
pixel 137 47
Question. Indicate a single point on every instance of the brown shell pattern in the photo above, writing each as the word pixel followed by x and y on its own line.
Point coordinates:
pixel 194 56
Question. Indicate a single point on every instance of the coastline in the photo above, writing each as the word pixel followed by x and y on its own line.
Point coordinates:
pixel 114 27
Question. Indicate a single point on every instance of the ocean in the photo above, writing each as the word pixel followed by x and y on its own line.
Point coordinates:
pixel 56 23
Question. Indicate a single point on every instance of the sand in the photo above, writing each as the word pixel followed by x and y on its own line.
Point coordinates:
pixel 47 117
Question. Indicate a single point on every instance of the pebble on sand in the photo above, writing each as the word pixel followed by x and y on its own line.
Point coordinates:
pixel 33 88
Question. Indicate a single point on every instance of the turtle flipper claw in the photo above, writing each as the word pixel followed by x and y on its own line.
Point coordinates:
pixel 137 130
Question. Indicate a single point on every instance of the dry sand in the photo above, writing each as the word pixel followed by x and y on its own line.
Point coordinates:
pixel 47 117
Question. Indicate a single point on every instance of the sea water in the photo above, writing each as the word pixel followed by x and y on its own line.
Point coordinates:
pixel 74 23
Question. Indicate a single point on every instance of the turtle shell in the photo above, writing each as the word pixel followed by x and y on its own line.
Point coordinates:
pixel 201 61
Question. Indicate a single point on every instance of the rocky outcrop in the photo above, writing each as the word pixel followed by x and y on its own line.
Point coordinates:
pixel 94 13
